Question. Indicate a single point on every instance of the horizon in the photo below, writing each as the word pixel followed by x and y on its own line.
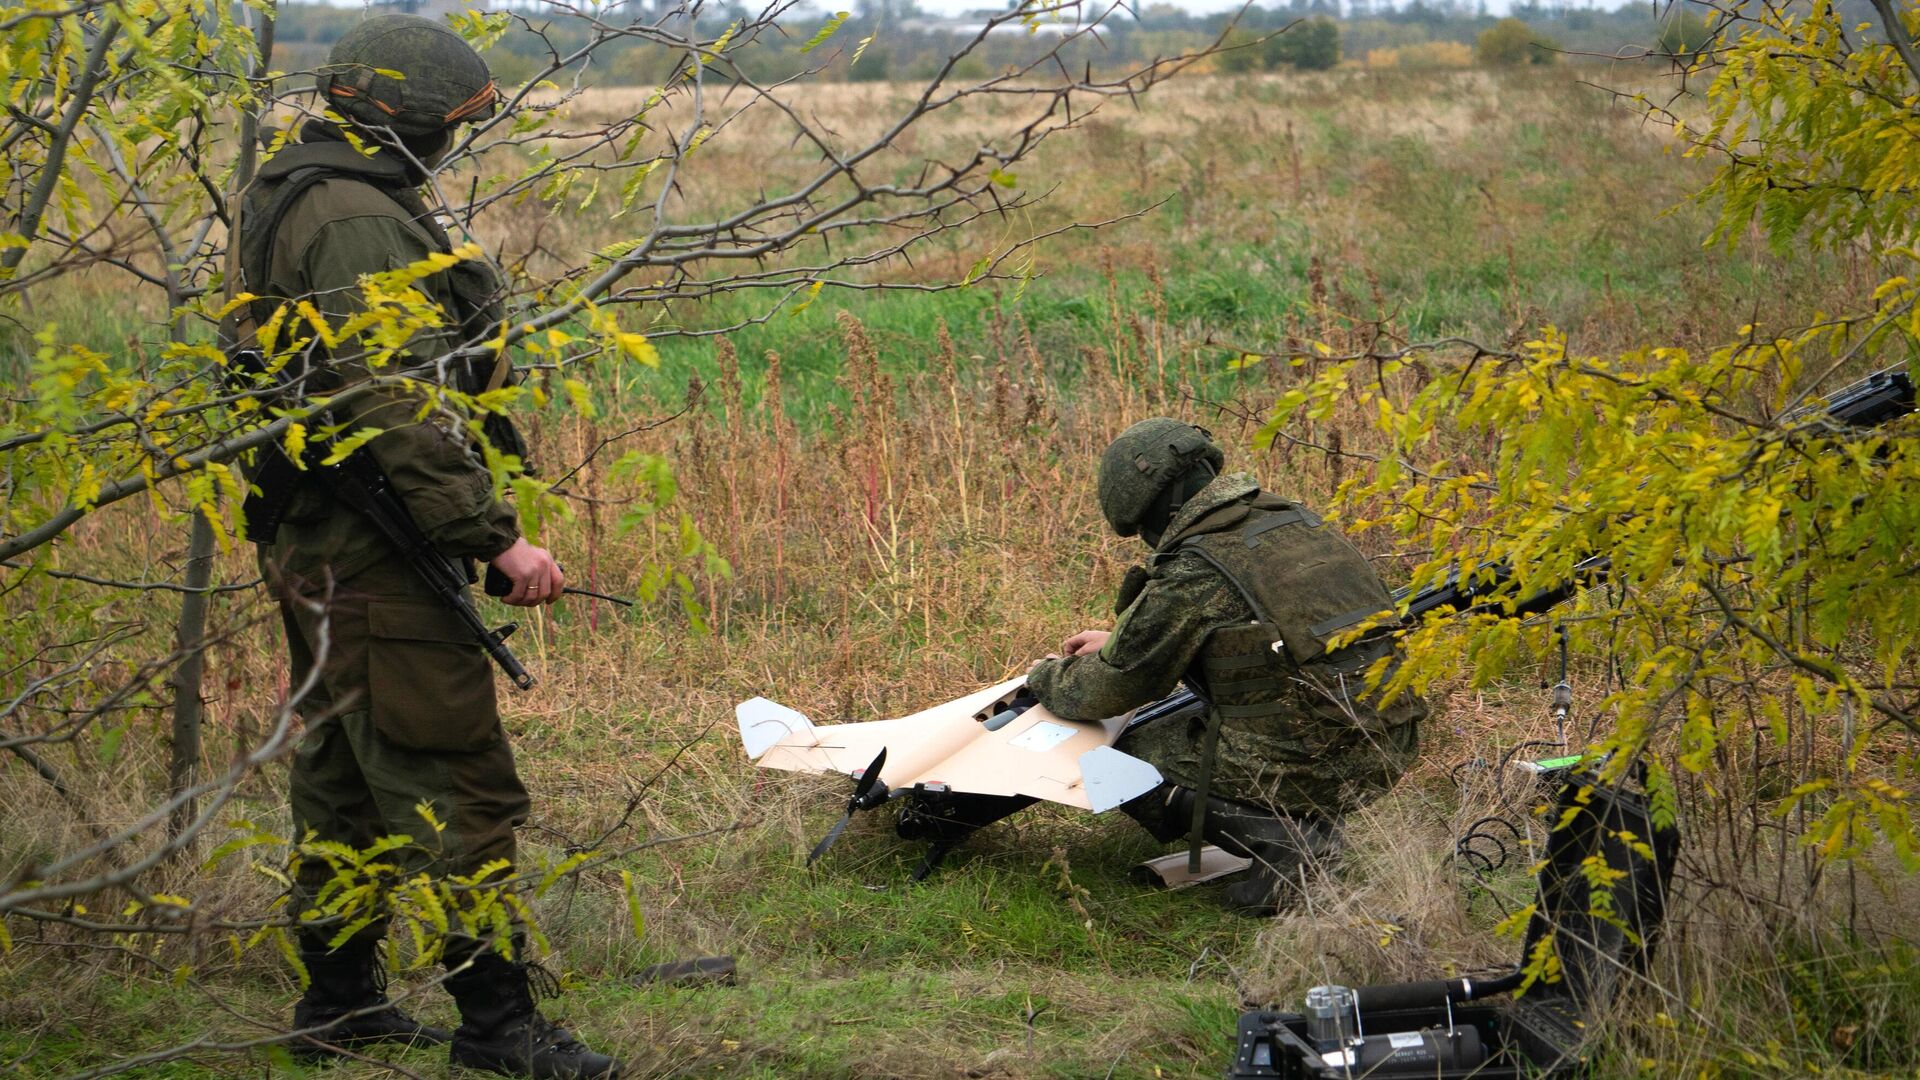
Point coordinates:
pixel 953 8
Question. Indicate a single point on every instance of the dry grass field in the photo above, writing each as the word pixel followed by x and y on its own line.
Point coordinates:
pixel 901 486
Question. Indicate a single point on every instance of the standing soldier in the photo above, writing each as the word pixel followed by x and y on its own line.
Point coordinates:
pixel 1240 596
pixel 404 710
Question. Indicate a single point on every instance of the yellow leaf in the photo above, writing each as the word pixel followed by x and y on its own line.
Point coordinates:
pixel 825 32
pixel 345 447
pixel 638 347
pixel 295 445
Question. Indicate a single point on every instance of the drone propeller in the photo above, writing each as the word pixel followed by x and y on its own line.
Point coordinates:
pixel 867 793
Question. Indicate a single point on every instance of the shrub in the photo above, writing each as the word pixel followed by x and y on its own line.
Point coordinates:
pixel 1242 53
pixel 1511 42
pixel 1312 45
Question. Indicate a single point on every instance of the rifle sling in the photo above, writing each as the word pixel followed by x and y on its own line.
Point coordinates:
pixel 1209 749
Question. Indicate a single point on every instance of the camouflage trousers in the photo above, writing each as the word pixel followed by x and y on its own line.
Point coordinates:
pixel 403 715
pixel 1309 765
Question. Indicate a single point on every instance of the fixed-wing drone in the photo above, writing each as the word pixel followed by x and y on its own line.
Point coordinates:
pixel 959 766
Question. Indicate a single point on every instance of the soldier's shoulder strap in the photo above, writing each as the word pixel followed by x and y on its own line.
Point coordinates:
pixel 276 479
pixel 256 236
pixel 1217 547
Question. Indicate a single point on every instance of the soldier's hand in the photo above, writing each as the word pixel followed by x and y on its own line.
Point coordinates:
pixel 1086 641
pixel 535 576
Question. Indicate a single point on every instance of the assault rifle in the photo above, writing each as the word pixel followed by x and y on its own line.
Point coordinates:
pixel 362 485
pixel 1868 403
pixel 1872 401
pixel 359 483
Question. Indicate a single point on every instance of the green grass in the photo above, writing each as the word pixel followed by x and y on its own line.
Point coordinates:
pixel 849 969
pixel 1568 213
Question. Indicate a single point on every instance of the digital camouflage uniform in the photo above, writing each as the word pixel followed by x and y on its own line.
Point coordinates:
pixel 1320 751
pixel 1240 597
pixel 405 710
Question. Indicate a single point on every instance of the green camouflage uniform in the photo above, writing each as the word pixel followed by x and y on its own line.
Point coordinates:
pixel 1293 736
pixel 405 711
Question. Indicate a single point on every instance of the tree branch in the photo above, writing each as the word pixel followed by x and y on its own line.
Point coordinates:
pixel 1897 34
pixel 51 170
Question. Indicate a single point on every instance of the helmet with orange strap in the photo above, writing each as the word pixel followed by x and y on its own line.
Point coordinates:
pixel 408 74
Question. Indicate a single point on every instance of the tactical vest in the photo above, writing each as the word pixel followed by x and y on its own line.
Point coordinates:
pixel 1306 584
pixel 475 286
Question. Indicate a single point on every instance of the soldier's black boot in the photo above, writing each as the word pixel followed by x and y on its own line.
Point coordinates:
pixel 1166 812
pixel 347 989
pixel 1284 848
pixel 502 1032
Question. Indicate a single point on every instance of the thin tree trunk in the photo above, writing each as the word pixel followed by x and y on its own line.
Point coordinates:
pixel 190 642
pixel 189 705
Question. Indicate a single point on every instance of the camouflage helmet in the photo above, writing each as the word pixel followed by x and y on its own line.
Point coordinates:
pixel 1144 461
pixel 445 82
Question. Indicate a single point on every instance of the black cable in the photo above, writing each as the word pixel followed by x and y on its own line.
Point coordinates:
pixel 1480 848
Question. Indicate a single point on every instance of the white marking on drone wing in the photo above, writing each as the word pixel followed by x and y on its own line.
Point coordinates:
pixel 1113 777
pixel 764 724
pixel 1043 737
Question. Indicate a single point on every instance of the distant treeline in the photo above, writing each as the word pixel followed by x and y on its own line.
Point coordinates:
pixel 908 43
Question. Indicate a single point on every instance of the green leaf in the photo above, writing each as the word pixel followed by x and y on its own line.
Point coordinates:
pixel 636 918
pixel 109 749
pixel 826 31
pixel 343 448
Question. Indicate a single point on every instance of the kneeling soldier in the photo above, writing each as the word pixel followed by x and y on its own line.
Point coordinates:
pixel 1239 597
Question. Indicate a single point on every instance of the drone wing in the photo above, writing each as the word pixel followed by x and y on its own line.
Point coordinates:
pixel 951 747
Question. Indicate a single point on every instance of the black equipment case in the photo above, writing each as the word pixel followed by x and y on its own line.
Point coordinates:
pixel 1602 932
